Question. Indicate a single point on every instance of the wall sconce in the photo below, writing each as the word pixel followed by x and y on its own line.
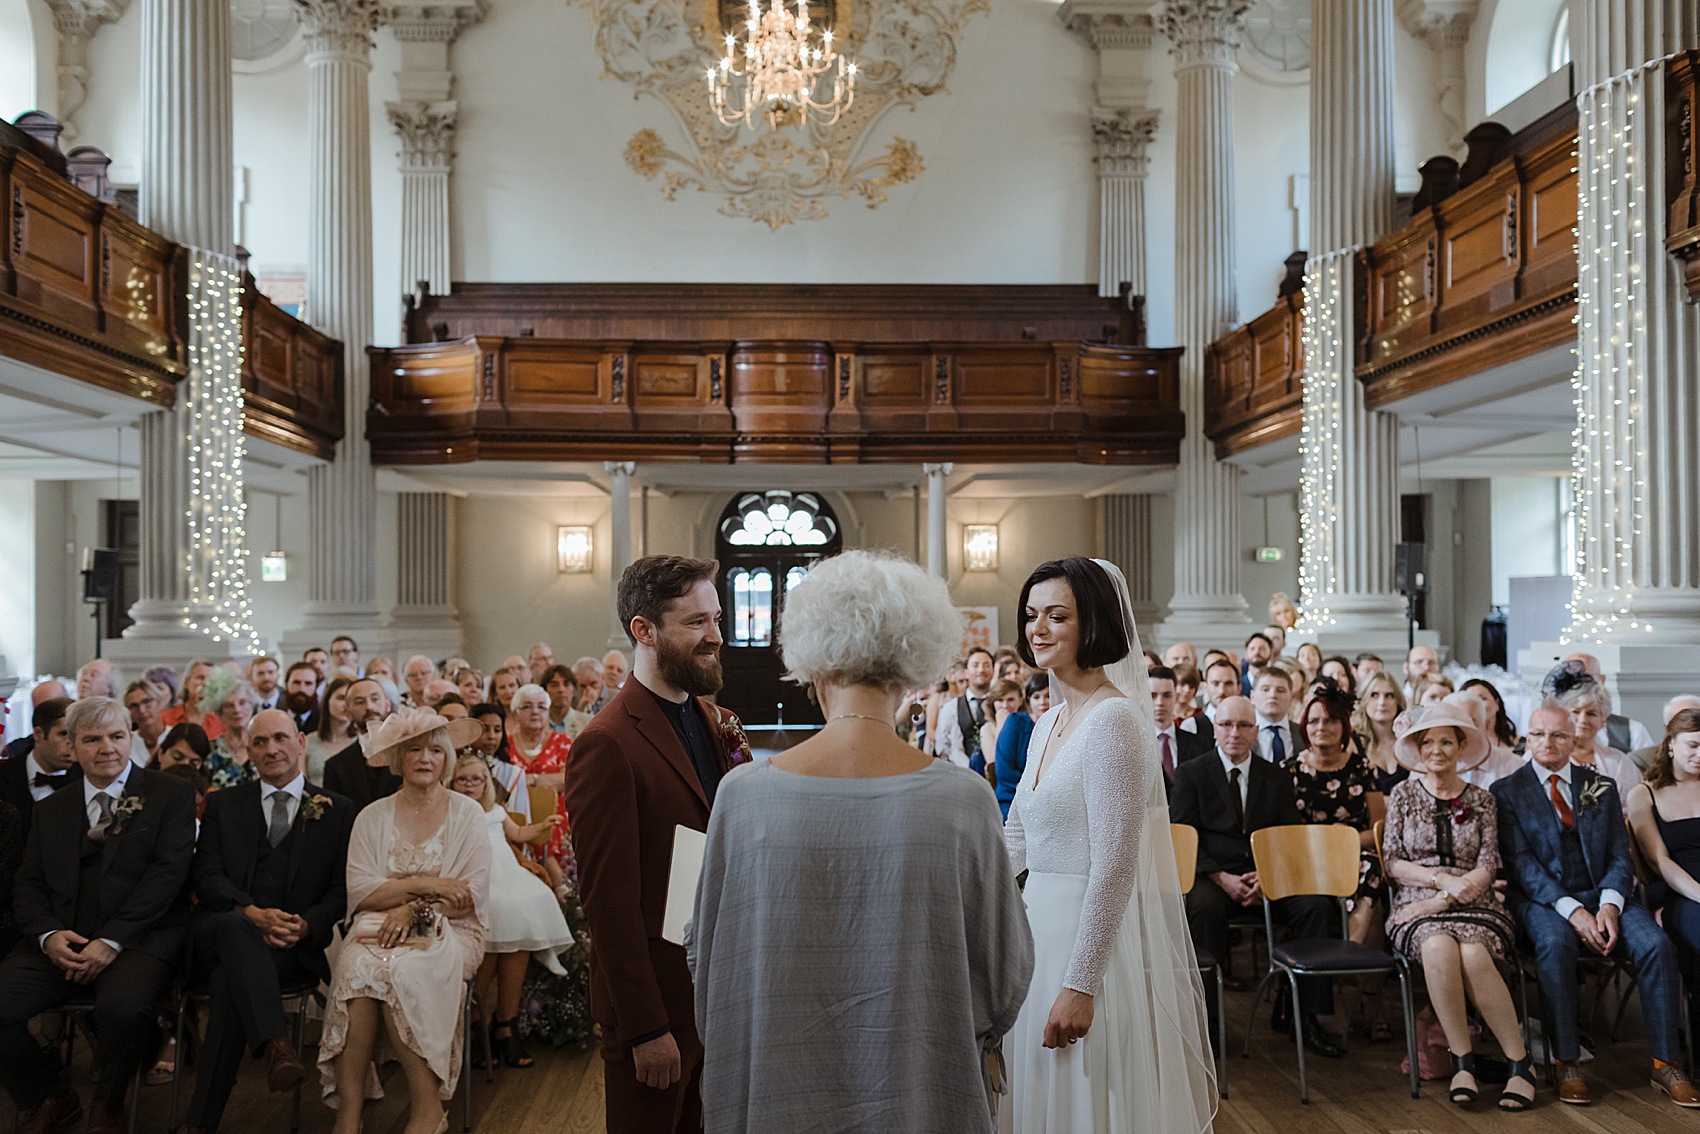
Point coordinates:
pixel 572 550
pixel 980 547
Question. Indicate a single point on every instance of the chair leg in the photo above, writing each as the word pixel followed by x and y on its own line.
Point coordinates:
pixel 1298 1036
pixel 1622 1005
pixel 1410 1031
pixel 136 1095
pixel 466 1066
pixel 1251 1020
pixel 177 1068
pixel 1221 1034
pixel 300 1042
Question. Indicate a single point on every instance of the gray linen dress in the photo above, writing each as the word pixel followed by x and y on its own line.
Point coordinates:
pixel 857 945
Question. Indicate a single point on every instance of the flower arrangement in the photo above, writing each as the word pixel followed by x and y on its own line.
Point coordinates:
pixel 1460 809
pixel 126 807
pixel 729 732
pixel 314 807
pixel 1588 796
pixel 556 1009
pixel 424 918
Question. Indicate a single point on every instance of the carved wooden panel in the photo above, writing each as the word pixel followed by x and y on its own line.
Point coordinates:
pixel 1479 247
pixel 1403 284
pixel 779 388
pixel 1550 210
pixel 571 376
pixel 291 378
pixel 1254 379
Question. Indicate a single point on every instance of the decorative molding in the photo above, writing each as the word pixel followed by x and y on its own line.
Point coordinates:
pixel 76 22
pixel 1202 32
pixel 427 132
pixel 1440 23
pixel 434 21
pixel 1119 138
pixel 1111 24
pixel 343 27
pixel 906 50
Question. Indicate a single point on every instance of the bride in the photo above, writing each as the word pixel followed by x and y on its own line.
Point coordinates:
pixel 1112 1035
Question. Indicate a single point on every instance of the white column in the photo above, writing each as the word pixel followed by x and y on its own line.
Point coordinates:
pixel 342 587
pixel 1207 606
pixel 1349 479
pixel 938 559
pixel 1120 138
pixel 1127 544
pixel 75 22
pixel 425 619
pixel 427 157
pixel 620 554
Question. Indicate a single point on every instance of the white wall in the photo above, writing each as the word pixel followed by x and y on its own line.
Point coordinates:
pixel 17 578
pixel 1512 40
pixel 1528 530
pixel 20 76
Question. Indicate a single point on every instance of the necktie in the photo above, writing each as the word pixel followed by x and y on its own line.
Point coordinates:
pixel 977 708
pixel 279 830
pixel 1277 744
pixel 42 779
pixel 1239 804
pixel 103 818
pixel 1168 756
pixel 1566 817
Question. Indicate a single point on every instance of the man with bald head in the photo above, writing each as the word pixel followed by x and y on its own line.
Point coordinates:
pixel 270 874
pixel 1179 654
pixel 1226 795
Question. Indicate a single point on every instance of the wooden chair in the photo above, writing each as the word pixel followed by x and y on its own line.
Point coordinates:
pixel 544 802
pixel 1185 839
pixel 1311 859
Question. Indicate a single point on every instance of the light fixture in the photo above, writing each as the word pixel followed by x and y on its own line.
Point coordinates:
pixel 780 70
pixel 572 549
pixel 980 547
pixel 274 567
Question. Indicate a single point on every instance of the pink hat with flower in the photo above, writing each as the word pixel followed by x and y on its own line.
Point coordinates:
pixel 1409 725
pixel 409 724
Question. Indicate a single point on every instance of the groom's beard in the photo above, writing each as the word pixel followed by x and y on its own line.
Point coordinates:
pixel 694 669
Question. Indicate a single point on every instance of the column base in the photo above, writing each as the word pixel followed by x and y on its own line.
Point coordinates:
pixel 1389 644
pixel 432 631
pixel 1204 620
pixel 133 655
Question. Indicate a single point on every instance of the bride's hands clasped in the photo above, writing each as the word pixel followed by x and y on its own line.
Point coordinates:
pixel 1070 1018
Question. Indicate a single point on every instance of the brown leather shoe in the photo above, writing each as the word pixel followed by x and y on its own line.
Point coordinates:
pixel 103 1121
pixel 1572 1088
pixel 1677 1086
pixel 60 1112
pixel 284 1071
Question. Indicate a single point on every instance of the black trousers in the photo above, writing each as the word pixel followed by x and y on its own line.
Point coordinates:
pixel 1208 910
pixel 244 978
pixel 128 1033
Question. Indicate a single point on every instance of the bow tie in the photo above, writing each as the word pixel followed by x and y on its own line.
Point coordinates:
pixel 42 779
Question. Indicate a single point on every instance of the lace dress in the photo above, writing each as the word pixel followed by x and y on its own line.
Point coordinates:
pixel 1340 796
pixel 1103 899
pixel 1451 837
pixel 422 983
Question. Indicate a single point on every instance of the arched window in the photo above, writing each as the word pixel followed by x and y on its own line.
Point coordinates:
pixel 1560 50
pixel 778 519
pixel 752 606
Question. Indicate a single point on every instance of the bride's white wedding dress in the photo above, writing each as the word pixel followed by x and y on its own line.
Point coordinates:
pixel 1104 902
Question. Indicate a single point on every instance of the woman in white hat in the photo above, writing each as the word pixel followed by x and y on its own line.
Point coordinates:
pixel 418 888
pixel 1441 848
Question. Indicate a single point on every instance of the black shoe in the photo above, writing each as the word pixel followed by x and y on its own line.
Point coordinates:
pixel 507 1047
pixel 1463 1094
pixel 1320 1042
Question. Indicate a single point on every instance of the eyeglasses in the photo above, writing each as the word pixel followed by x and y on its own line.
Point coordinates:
pixel 1235 725
pixel 467 781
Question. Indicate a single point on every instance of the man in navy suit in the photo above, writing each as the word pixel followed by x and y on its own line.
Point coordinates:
pixel 1566 850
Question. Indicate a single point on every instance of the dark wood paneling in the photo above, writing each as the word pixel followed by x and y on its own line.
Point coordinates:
pixel 291 378
pixel 1254 379
pixel 1682 164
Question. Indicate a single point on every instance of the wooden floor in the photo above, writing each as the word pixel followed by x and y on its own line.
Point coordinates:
pixel 1365 1093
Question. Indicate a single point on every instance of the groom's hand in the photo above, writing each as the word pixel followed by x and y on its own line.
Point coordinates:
pixel 657 1062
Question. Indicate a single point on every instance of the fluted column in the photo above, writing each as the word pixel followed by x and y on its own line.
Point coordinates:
pixel 938 559
pixel 425 619
pixel 620 554
pixel 1203 36
pixel 342 590
pixel 1349 477
pixel 1120 138
pixel 1127 544
pixel 427 157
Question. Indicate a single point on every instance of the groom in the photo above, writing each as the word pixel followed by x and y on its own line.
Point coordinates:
pixel 650 761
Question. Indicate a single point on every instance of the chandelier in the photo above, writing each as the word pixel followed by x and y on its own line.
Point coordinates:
pixel 783 74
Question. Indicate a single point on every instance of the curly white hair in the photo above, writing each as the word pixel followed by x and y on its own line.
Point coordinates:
pixel 869 618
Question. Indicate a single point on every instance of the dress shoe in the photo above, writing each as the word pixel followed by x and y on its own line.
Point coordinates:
pixel 104 1121
pixel 1676 1085
pixel 1320 1042
pixel 284 1071
pixel 1572 1088
pixel 55 1113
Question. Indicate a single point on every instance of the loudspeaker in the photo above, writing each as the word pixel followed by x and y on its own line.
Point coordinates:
pixel 1410 568
pixel 100 574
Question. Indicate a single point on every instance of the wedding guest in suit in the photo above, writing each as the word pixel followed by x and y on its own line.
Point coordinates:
pixel 301 695
pixel 269 876
pixel 1566 850
pixel 102 901
pixel 960 718
pixel 1272 698
pixel 1174 744
pixel 650 761
pixel 1227 795
pixel 348 773
pixel 1221 681
pixel 805 844
pixel 49 765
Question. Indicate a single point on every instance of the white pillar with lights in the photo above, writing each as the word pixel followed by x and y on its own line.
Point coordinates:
pixel 938 562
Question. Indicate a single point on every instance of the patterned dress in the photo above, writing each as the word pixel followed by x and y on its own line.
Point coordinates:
pixel 225 772
pixel 549 759
pixel 1340 796
pixel 1451 837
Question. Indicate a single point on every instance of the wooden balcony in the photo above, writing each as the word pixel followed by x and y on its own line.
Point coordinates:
pixel 291 378
pixel 1254 375
pixel 1682 165
pixel 774 373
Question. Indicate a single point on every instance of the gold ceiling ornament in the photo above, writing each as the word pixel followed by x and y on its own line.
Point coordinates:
pixel 905 50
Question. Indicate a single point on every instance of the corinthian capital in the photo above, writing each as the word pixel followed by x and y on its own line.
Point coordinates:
pixel 1203 32
pixel 427 132
pixel 1441 23
pixel 342 26
pixel 1120 138
pixel 1110 24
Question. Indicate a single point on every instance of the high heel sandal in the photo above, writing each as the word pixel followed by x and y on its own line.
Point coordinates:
pixel 1518 1069
pixel 507 1047
pixel 1463 1065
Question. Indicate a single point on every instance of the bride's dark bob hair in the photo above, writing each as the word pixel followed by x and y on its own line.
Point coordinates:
pixel 1103 635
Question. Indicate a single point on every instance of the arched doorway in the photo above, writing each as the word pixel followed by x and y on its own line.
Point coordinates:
pixel 765 543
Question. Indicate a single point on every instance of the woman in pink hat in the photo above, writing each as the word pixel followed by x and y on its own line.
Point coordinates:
pixel 1441 848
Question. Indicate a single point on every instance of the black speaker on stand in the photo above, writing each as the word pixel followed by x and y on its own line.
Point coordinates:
pixel 100 583
pixel 1410 575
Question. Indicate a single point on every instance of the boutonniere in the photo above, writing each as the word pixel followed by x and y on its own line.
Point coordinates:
pixel 127 806
pixel 314 807
pixel 1590 794
pixel 733 740
pixel 1461 811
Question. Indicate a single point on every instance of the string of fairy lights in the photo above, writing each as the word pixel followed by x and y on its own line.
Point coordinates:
pixel 1328 375
pixel 217 553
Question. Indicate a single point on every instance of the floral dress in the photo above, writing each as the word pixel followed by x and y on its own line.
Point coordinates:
pixel 1340 796
pixel 225 772
pixel 549 759
pixel 1449 836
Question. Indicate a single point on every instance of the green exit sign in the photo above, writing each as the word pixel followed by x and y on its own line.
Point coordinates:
pixel 1269 554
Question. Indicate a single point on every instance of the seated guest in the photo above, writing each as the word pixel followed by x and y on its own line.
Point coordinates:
pixel 1258 650
pixel 1282 613
pixel 419 672
pixel 1430 689
pixel 587 672
pixel 1187 681
pixel 1500 729
pixel 1179 654
pixel 1221 681
pixel 1333 783
pixel 348 773
pixel 506 682
pixel 382 668
pixel 1173 745
pixel 102 900
pixel 798 848
pixel 1011 754
pixel 49 690
pixel 1227 795
pixel 1441 847
pixel 418 896
pixel 145 700
pixel 492 744
pixel 1365 665
pixel 49 766
pixel 1501 761
pixel 1272 696
pixel 1566 851
pixel 525 920
pixel 185 745
pixel 301 695
pixel 1620 732
pixel 1338 670
pixel 234 700
pixel 562 687
pixel 1642 758
pixel 331 731
pixel 1664 813
pixel 1380 701
pixel 1589 705
pixel 269 876
pixel 542 756
pixel 189 707
pixel 470 683
pixel 11 858
pixel 1309 655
